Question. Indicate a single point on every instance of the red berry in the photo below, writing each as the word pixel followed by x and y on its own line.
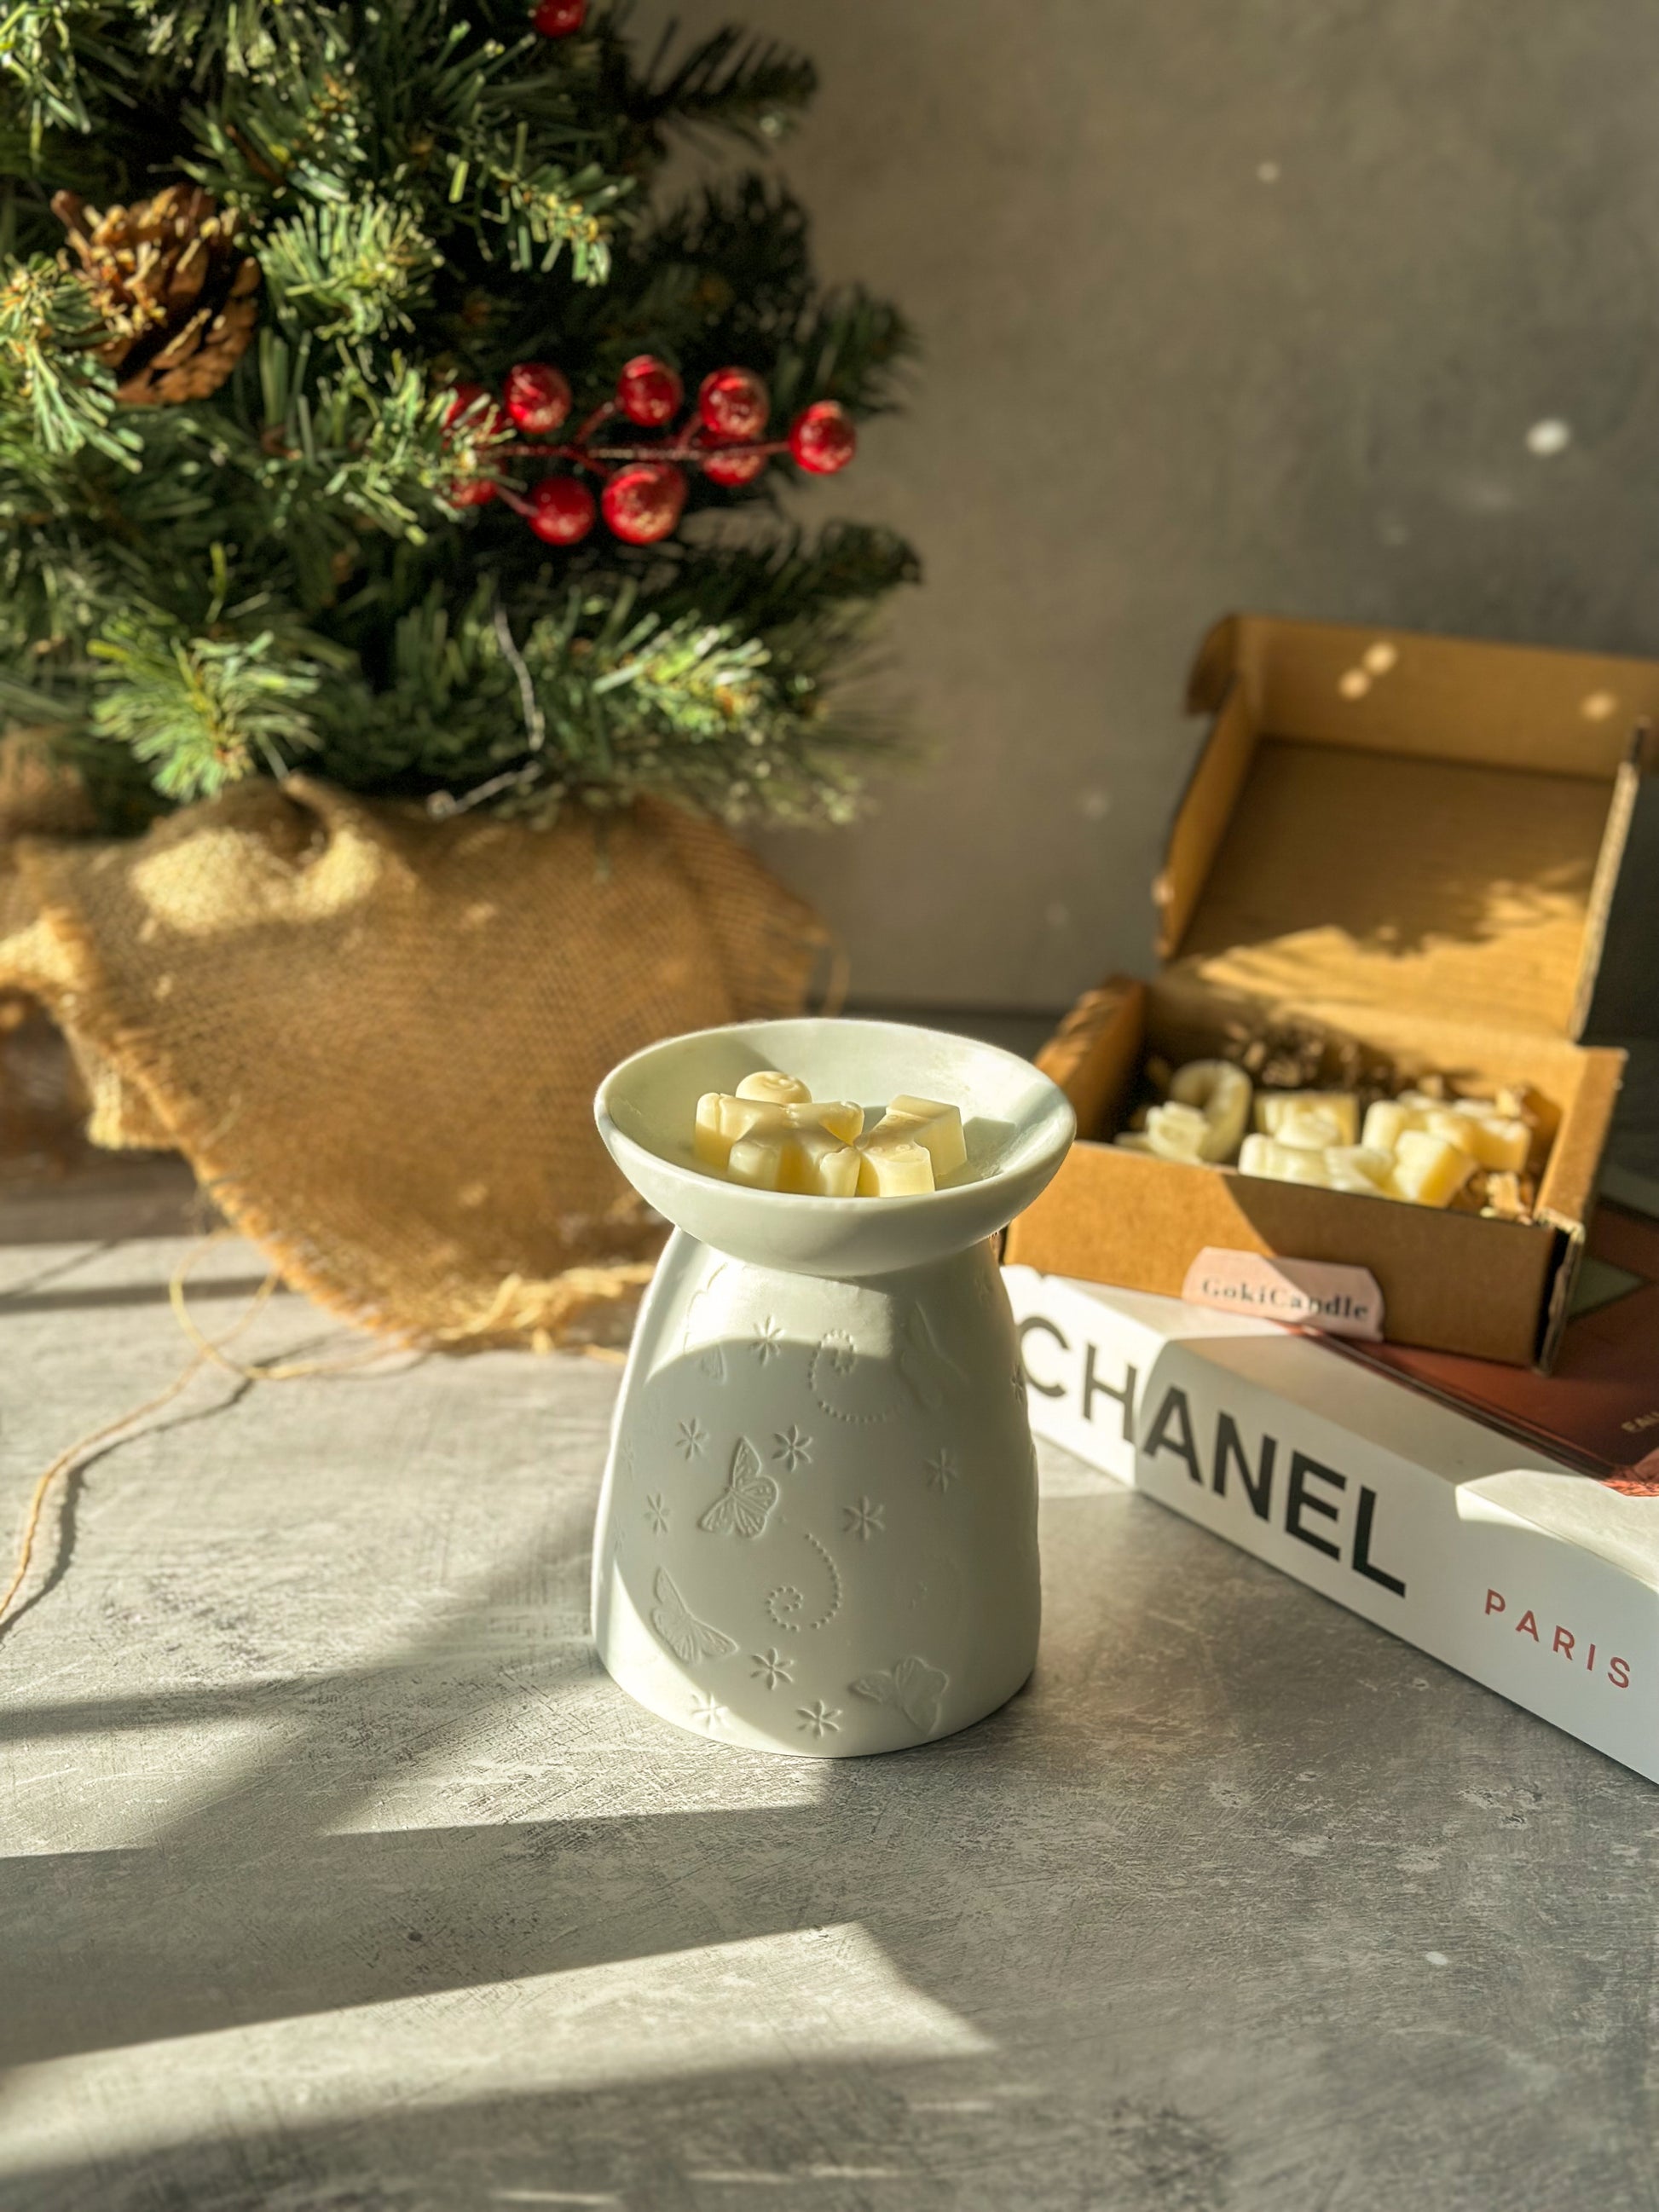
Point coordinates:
pixel 537 398
pixel 732 468
pixel 648 392
pixel 562 510
pixel 733 403
pixel 557 19
pixel 822 439
pixel 643 502
pixel 472 491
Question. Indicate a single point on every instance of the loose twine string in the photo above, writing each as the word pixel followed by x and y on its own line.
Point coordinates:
pixel 209 1352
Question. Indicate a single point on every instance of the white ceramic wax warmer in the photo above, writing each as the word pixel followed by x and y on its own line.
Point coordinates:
pixel 817 1533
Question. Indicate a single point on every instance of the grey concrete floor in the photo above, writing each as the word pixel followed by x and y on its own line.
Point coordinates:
pixel 338 1877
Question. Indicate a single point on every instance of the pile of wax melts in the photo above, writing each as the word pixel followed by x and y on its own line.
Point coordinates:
pixel 1417 1147
pixel 772 1134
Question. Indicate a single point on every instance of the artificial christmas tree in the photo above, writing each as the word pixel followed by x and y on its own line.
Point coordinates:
pixel 297 302
pixel 378 454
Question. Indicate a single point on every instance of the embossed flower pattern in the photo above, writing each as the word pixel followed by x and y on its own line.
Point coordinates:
pixel 768 1339
pixel 771 1667
pixel 942 1470
pixel 692 1440
pixel 709 1715
pixel 864 1520
pixel 792 1448
pixel 818 1719
pixel 656 1512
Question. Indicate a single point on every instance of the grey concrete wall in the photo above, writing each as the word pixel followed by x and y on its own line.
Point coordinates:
pixel 1226 302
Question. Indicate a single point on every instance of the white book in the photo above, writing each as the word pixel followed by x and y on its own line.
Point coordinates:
pixel 1540 1582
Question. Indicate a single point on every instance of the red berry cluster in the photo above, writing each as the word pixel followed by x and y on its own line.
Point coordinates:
pixel 643 488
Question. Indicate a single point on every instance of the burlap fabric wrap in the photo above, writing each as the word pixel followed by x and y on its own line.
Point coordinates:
pixel 376 1037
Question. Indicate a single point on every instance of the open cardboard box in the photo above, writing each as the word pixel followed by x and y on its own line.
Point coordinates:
pixel 1411 843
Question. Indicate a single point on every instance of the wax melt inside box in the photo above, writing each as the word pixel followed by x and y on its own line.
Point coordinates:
pixel 1403 844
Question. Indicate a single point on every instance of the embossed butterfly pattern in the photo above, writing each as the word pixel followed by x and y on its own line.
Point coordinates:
pixel 749 1495
pixel 686 1637
pixel 912 1687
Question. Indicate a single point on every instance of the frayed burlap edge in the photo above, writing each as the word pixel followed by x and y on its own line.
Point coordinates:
pixel 770 945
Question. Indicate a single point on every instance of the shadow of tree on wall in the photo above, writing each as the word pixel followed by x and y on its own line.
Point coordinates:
pixel 1404 854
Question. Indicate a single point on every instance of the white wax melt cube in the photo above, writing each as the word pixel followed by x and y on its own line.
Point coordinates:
pixel 772 1135
pixel 1266 1156
pixel 718 1128
pixel 1359 1168
pixel 1390 1118
pixel 1471 1124
pixel 1176 1132
pixel 806 1160
pixel 1386 1122
pixel 1497 1140
pixel 925 1121
pixel 1329 1167
pixel 776 1088
pixel 1219 1093
pixel 1274 1108
pixel 1311 1128
pixel 838 1116
pixel 758 1159
pixel 818 1163
pixel 1427 1169
pixel 723 1122
pixel 894 1167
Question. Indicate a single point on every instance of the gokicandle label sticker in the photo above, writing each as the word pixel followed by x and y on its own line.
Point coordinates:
pixel 1301 1293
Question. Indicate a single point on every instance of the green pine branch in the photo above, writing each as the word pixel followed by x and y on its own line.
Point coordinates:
pixel 328 445
pixel 49 366
pixel 62 59
pixel 351 271
pixel 795 581
pixel 202 712
pixel 752 88
pixel 304 128
pixel 591 697
pixel 243 38
pixel 280 569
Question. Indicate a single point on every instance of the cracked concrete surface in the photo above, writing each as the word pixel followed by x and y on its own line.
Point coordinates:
pixel 337 1878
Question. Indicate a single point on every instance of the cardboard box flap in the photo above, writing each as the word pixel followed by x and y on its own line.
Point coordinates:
pixel 1385 819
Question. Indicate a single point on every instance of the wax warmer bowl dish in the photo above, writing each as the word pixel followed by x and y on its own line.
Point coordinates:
pixel 818 1532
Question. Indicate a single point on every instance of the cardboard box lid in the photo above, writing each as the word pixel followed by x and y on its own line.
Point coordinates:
pixel 1382 818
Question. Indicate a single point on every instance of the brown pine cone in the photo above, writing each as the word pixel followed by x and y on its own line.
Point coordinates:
pixel 176 296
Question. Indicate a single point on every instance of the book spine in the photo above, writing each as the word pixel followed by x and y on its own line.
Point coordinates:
pixel 1565 1633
